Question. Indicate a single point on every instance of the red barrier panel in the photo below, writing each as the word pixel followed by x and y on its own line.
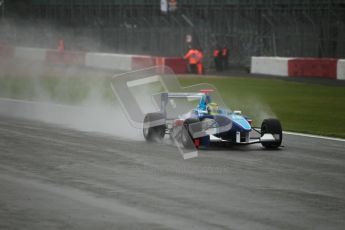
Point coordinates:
pixel 313 67
pixel 178 65
pixel 6 51
pixel 141 62
pixel 66 57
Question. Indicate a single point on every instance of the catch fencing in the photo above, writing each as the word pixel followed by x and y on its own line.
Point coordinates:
pixel 288 28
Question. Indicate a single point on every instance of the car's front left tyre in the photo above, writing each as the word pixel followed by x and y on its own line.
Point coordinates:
pixel 274 127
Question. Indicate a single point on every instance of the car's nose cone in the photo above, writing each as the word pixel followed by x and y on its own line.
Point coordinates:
pixel 241 122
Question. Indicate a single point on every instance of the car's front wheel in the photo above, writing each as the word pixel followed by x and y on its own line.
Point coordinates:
pixel 274 127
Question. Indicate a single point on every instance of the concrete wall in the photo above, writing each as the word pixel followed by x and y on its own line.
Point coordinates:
pixel 341 69
pixel 277 66
pixel 313 67
pixel 30 53
pixel 270 65
pixel 330 68
pixel 109 61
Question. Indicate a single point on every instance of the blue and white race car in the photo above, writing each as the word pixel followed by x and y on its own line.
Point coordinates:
pixel 208 122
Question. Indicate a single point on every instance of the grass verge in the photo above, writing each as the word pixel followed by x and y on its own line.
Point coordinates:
pixel 301 107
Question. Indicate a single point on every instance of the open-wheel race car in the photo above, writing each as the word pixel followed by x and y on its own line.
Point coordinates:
pixel 207 122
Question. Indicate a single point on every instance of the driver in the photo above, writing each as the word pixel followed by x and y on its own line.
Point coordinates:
pixel 212 108
pixel 204 101
pixel 208 107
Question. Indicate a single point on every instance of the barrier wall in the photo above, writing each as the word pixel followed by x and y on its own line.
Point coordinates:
pixel 140 62
pixel 313 67
pixel 177 64
pixel 270 65
pixel 67 58
pixel 278 66
pixel 299 67
pixel 30 53
pixel 109 61
pixel 341 69
pixel 6 51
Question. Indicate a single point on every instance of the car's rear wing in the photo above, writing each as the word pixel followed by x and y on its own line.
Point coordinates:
pixel 164 98
pixel 182 95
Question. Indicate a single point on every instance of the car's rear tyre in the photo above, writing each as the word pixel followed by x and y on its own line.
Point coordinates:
pixel 153 129
pixel 187 139
pixel 272 126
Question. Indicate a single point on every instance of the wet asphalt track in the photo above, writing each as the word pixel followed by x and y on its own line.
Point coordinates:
pixel 57 178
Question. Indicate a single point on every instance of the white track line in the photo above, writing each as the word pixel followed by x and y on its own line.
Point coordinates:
pixel 314 136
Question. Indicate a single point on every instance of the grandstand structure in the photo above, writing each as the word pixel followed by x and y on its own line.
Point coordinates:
pixel 290 28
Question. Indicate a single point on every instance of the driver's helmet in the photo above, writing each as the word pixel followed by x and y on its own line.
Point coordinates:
pixel 204 101
pixel 212 108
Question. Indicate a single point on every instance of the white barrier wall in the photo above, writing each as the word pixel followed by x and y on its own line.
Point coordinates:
pixel 30 53
pixel 270 65
pixel 109 61
pixel 278 66
pixel 341 69
pixel 122 62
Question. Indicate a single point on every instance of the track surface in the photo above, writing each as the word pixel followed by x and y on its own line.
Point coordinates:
pixel 57 178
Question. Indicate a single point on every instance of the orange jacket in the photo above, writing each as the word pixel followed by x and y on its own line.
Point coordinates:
pixel 61 45
pixel 200 55
pixel 192 56
pixel 225 52
pixel 216 53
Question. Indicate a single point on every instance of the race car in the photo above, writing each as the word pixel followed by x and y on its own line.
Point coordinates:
pixel 208 122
